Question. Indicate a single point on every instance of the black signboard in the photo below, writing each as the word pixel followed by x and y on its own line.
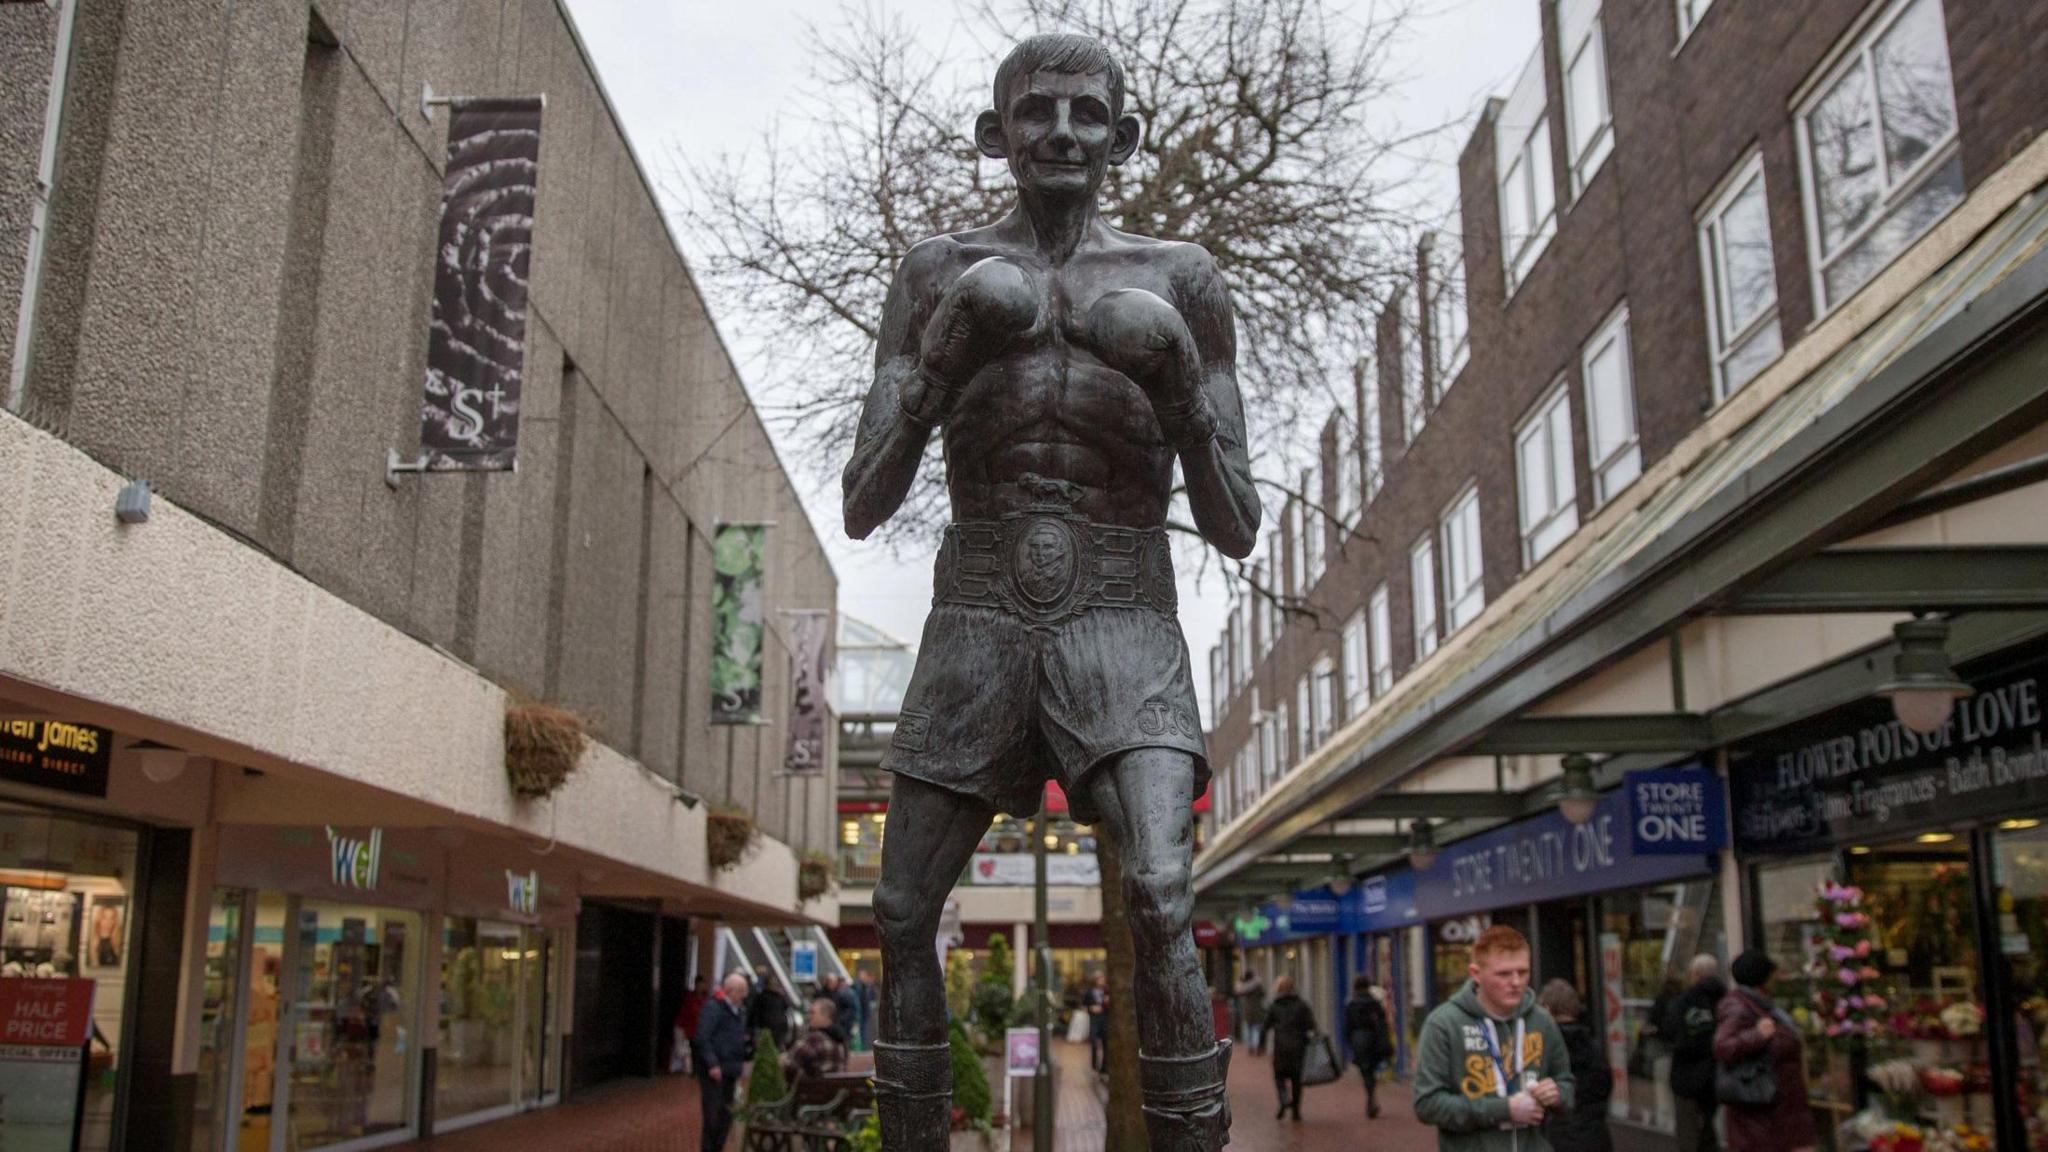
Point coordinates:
pixel 1860 775
pixel 476 344
pixel 54 754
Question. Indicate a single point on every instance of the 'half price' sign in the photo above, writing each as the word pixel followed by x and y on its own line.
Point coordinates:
pixel 45 1013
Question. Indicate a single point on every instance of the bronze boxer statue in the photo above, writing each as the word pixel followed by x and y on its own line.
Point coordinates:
pixel 1067 366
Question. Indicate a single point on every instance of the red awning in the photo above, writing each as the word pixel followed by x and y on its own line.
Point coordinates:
pixel 1056 798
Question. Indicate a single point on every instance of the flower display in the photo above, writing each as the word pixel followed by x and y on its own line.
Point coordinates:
pixel 1899 1138
pixel 1963 1019
pixel 1846 998
pixel 1961 1138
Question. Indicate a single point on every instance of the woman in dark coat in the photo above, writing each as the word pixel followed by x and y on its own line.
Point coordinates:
pixel 1289 1024
pixel 1584 1128
pixel 1365 1029
pixel 1747 1024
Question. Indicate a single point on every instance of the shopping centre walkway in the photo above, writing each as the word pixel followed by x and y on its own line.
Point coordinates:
pixel 661 1116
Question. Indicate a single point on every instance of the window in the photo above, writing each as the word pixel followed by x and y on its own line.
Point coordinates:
pixel 1447 324
pixel 1414 389
pixel 1422 586
pixel 1323 698
pixel 1589 123
pixel 1218 694
pixel 1611 411
pixel 1350 488
pixel 1356 691
pixel 1528 197
pixel 1312 528
pixel 1297 580
pixel 1369 427
pixel 1270 633
pixel 1305 710
pixel 1689 13
pixel 1543 470
pixel 1464 584
pixel 1877 149
pixel 1379 617
pixel 1240 650
pixel 1742 285
pixel 1272 731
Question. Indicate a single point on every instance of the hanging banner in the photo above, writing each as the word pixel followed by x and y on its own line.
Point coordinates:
pixel 738 563
pixel 476 340
pixel 808 631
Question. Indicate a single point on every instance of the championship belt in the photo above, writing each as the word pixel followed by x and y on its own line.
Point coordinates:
pixel 1047 563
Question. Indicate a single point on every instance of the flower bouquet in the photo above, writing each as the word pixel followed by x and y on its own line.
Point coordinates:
pixel 1899 1138
pixel 1961 1138
pixel 1846 998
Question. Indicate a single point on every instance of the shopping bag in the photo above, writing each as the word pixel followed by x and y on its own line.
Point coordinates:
pixel 1319 1063
pixel 1077 1028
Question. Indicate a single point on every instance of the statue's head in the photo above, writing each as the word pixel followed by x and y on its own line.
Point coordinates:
pixel 1058 116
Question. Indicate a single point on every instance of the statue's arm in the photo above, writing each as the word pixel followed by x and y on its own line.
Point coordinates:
pixel 1218 469
pixel 890 440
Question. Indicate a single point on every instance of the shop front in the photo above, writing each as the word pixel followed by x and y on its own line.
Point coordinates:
pixel 502 966
pixel 1939 841
pixel 1618 917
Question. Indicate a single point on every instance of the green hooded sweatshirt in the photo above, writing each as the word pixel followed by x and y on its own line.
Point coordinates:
pixel 1455 1078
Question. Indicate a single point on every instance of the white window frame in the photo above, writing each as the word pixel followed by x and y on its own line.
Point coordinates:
pixel 1297 583
pixel 1325 689
pixel 1539 431
pixel 1357 660
pixel 1415 402
pixel 1690 13
pixel 1422 596
pixel 1450 330
pixel 1589 50
pixel 1522 157
pixel 1369 430
pixel 1350 483
pixel 1379 625
pixel 1853 55
pixel 1724 336
pixel 1304 719
pixel 1219 694
pixel 1460 546
pixel 1240 648
pixel 1313 529
pixel 1272 730
pixel 1617 468
pixel 1270 634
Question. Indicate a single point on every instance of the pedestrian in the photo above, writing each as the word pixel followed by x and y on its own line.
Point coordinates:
pixel 1251 1006
pixel 822 1051
pixel 845 1005
pixel 721 1055
pixel 866 991
pixel 769 1009
pixel 1288 1025
pixel 1365 1029
pixel 1750 1028
pixel 1584 1127
pixel 1689 1024
pixel 1096 1001
pixel 1491 1063
pixel 687 1015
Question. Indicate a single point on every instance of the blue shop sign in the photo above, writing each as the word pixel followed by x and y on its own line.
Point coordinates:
pixel 1546 858
pixel 1310 913
pixel 1380 903
pixel 1676 812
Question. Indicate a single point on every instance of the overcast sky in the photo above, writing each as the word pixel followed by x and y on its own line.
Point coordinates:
pixel 711 76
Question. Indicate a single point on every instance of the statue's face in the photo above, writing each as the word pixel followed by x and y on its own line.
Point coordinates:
pixel 1058 133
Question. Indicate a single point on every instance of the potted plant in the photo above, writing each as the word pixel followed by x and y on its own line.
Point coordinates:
pixel 542 747
pixel 813 875
pixel 729 833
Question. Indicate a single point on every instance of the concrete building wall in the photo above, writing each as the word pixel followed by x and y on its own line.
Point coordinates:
pixel 234 307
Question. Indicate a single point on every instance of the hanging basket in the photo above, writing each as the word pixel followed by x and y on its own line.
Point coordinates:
pixel 542 747
pixel 813 876
pixel 728 834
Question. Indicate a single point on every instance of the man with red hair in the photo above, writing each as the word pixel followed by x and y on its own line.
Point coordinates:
pixel 1491 1063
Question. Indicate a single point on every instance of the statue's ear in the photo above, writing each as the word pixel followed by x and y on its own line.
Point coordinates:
pixel 1130 132
pixel 988 134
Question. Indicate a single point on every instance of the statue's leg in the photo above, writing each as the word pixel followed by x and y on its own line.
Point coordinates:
pixel 1146 797
pixel 930 836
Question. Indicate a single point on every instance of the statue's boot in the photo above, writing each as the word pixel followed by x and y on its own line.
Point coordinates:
pixel 1185 1107
pixel 914 1095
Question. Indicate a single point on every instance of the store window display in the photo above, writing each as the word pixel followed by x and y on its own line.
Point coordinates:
pixel 2021 862
pixel 1657 932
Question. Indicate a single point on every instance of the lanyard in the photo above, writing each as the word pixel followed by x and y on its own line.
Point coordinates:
pixel 1499 1062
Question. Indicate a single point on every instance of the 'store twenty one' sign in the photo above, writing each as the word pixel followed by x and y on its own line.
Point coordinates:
pixel 1676 812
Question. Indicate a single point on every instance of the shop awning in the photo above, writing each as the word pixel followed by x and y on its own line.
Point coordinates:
pixel 1805 456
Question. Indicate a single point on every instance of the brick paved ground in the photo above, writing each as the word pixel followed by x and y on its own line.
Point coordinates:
pixel 661 1116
